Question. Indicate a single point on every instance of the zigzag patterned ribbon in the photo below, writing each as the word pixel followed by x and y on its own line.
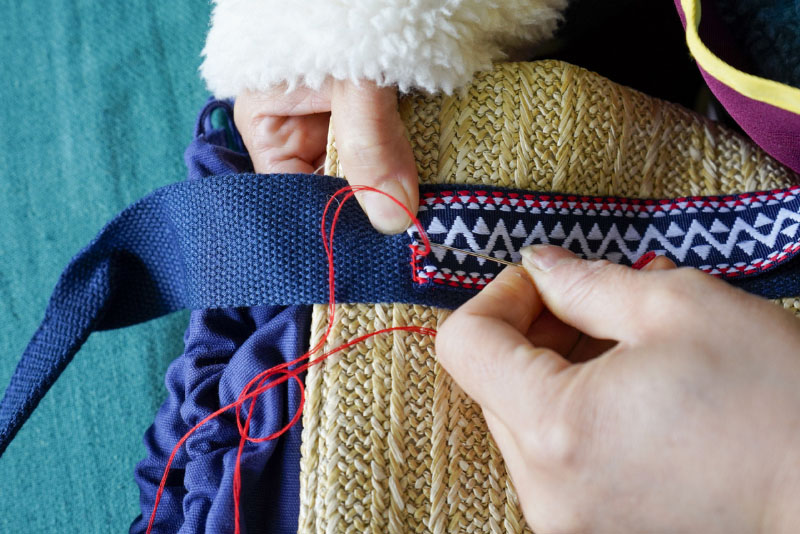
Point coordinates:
pixel 730 236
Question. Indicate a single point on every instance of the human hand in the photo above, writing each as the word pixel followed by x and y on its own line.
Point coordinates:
pixel 690 423
pixel 287 133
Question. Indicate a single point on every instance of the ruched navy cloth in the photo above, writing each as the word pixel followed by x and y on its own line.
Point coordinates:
pixel 224 349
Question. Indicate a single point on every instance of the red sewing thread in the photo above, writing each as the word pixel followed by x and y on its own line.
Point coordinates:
pixel 264 381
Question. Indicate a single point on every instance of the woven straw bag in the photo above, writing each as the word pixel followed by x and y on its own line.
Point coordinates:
pixel 390 443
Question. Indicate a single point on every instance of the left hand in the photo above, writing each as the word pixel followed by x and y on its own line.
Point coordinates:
pixel 287 133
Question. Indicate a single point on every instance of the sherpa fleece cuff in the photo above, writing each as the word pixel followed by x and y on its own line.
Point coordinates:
pixel 434 45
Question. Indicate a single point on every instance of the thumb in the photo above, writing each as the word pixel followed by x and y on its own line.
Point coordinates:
pixel 597 297
pixel 484 348
pixel 374 151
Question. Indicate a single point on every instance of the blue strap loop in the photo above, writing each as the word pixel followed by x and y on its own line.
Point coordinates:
pixel 224 241
pixel 246 240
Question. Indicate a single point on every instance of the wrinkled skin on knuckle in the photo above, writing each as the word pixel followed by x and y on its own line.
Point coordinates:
pixel 291 136
pixel 253 125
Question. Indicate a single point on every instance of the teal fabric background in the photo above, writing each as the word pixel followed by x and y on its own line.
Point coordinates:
pixel 98 103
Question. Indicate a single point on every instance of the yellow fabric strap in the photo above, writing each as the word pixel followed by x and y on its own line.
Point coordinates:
pixel 767 91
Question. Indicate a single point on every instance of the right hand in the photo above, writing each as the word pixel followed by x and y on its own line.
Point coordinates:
pixel 287 133
pixel 689 423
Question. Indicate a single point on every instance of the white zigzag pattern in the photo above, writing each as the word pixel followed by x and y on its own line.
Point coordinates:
pixel 500 236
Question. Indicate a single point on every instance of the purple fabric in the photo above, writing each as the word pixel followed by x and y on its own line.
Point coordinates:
pixel 775 130
pixel 225 349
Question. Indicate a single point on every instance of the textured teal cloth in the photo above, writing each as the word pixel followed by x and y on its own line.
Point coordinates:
pixel 99 101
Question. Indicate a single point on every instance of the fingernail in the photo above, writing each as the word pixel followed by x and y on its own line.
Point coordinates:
pixel 644 260
pixel 384 214
pixel 544 257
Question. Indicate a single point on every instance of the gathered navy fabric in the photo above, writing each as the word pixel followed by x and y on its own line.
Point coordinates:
pixel 224 349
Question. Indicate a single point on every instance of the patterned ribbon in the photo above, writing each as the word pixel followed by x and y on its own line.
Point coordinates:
pixel 732 237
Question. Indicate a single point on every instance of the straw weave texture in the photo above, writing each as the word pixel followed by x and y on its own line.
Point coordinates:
pixel 390 443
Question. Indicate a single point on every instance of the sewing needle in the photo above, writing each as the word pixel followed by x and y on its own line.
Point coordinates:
pixel 476 254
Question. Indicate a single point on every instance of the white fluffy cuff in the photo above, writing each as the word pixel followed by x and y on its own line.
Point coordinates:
pixel 427 44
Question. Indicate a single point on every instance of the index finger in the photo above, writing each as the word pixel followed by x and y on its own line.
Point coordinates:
pixel 484 348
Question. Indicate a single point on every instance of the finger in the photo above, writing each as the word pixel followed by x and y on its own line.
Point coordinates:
pixel 285 144
pixel 548 331
pixel 484 348
pixel 499 303
pixel 596 297
pixel 284 132
pixel 374 151
pixel 660 263
pixel 290 144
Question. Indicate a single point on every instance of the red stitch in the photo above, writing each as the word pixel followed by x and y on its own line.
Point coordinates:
pixel 414 269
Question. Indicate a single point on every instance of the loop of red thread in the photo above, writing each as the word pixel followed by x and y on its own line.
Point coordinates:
pixel 279 374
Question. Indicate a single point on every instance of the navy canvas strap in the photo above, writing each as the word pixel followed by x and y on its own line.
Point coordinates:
pixel 245 240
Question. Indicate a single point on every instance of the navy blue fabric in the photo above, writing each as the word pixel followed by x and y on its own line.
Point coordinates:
pixel 224 350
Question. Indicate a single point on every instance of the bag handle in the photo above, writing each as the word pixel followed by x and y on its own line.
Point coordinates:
pixel 246 240
pixel 204 244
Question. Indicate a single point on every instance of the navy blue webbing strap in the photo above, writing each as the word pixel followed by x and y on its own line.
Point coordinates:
pixel 245 240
